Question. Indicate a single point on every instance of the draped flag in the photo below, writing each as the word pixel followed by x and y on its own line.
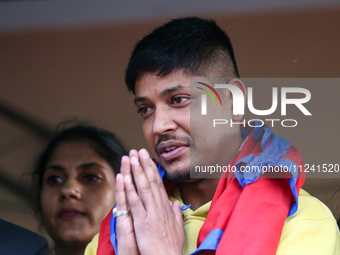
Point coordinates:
pixel 249 208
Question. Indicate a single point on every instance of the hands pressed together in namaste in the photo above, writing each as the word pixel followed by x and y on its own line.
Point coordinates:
pixel 153 224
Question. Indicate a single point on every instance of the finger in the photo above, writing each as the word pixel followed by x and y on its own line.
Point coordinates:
pixel 126 170
pixel 124 222
pixel 151 172
pixel 126 240
pixel 136 204
pixel 145 191
pixel 121 202
pixel 153 177
pixel 133 153
pixel 125 167
pixel 176 208
pixel 120 193
pixel 151 168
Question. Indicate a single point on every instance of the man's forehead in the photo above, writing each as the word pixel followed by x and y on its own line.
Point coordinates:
pixel 151 83
pixel 156 77
pixel 163 93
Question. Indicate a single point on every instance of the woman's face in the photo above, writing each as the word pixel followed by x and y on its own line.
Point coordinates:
pixel 78 192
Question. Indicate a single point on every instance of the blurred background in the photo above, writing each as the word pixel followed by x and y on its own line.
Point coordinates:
pixel 66 59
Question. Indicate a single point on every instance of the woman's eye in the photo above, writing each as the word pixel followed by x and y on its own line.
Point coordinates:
pixel 54 179
pixel 92 178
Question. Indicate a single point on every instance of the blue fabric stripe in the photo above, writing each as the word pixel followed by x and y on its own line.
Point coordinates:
pixel 185 207
pixel 266 137
pixel 257 130
pixel 210 242
pixel 113 233
pixel 161 171
pixel 244 132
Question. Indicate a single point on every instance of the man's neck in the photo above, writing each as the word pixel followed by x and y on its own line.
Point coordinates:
pixel 198 192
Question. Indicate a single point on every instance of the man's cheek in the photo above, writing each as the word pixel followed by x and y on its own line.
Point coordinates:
pixel 154 155
pixel 147 135
pixel 150 143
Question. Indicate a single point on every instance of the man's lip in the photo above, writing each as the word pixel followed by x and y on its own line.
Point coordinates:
pixel 177 148
pixel 70 214
pixel 163 146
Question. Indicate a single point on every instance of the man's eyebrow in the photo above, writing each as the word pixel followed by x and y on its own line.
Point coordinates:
pixel 172 89
pixel 163 93
pixel 140 99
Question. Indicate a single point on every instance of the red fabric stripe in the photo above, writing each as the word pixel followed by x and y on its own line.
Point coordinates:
pixel 104 243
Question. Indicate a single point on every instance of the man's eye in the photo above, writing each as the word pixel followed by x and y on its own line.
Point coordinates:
pixel 54 179
pixel 179 100
pixel 143 110
pixel 92 178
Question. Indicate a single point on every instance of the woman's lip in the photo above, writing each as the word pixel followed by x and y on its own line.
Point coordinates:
pixel 168 156
pixel 70 214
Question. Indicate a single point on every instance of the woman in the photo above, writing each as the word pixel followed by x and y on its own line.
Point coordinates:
pixel 75 185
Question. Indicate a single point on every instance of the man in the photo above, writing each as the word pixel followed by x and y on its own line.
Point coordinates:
pixel 19 241
pixel 247 214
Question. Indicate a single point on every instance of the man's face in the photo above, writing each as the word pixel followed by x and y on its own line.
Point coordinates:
pixel 164 103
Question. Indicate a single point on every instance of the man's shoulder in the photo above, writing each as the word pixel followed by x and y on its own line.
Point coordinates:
pixel 310 209
pixel 311 230
pixel 18 240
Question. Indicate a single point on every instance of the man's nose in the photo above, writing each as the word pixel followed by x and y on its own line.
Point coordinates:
pixel 163 122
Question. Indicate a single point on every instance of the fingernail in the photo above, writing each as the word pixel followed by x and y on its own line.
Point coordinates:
pixel 121 160
pixel 144 153
pixel 127 179
pixel 134 161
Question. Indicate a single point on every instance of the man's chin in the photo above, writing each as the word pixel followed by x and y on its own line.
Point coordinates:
pixel 178 176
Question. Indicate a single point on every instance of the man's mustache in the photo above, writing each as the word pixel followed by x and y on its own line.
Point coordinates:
pixel 173 137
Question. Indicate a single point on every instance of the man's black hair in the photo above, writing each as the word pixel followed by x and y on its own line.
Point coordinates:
pixel 192 45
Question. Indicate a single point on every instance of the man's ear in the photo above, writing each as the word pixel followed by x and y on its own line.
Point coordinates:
pixel 238 83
